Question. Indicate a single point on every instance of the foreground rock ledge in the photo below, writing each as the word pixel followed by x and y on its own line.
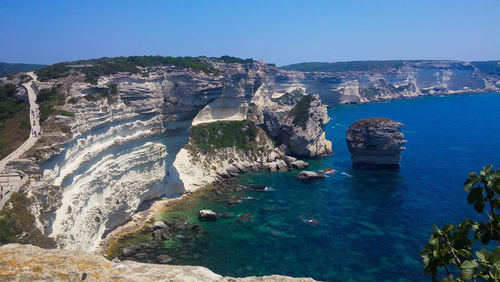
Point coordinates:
pixel 375 142
pixel 27 263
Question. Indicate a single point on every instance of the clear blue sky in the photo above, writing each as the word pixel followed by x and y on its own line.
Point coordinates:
pixel 277 31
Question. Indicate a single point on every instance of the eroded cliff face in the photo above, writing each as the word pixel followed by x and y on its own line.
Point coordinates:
pixel 302 130
pixel 26 262
pixel 124 145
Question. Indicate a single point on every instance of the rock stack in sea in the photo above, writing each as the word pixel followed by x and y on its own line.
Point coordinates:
pixel 375 142
pixel 303 129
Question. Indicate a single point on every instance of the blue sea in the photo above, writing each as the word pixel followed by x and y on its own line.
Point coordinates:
pixel 361 225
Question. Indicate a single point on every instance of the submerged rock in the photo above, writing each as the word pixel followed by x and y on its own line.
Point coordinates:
pixel 164 259
pixel 228 215
pixel 310 176
pixel 207 215
pixel 375 142
pixel 197 229
pixel 246 217
pixel 328 170
pixel 161 234
pixel 257 187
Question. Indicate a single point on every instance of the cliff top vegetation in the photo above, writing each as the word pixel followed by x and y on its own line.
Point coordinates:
pixel 222 134
pixel 300 112
pixel 94 68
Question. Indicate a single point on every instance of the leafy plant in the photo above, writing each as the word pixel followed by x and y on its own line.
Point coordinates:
pixel 451 247
pixel 300 112
pixel 48 99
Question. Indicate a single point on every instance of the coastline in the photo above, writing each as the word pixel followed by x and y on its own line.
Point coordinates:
pixel 143 219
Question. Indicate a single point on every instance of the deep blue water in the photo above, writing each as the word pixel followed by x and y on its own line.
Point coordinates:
pixel 371 223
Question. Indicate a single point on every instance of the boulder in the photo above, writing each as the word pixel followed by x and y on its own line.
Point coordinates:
pixel 289 159
pixel 159 225
pixel 375 142
pixel 207 215
pixel 233 169
pixel 299 164
pixel 272 156
pixel 197 229
pixel 272 166
pixel 309 176
pixel 141 256
pixel 281 165
pixel 161 234
pixel 128 252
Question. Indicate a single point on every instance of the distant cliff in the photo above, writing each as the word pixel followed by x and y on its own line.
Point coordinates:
pixel 371 81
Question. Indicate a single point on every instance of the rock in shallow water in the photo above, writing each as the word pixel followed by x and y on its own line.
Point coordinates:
pixel 207 215
pixel 375 142
pixel 159 225
pixel 310 176
pixel 164 259
pixel 299 164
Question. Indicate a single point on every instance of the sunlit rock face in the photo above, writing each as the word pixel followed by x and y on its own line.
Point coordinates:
pixel 306 138
pixel 375 143
pixel 123 148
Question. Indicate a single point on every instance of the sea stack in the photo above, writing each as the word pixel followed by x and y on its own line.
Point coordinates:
pixel 303 129
pixel 375 143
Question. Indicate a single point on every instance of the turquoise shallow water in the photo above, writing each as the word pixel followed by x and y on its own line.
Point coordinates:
pixel 366 224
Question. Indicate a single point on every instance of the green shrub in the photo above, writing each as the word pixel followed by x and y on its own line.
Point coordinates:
pixel 300 112
pixel 452 247
pixel 53 71
pixel 229 59
pixel 95 68
pixel 47 100
pixel 9 105
pixel 347 66
pixel 223 134
pixel 18 224
pixel 66 113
